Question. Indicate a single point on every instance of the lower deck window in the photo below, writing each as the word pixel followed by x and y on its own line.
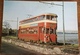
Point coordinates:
pixel 48 30
pixel 52 31
pixel 29 31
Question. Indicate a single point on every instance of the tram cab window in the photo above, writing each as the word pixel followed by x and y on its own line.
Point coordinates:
pixel 42 30
pixel 45 30
pixel 52 31
pixel 53 18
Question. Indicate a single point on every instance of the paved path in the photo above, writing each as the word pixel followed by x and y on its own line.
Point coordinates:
pixel 10 49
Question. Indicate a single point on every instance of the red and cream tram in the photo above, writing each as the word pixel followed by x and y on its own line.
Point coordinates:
pixel 40 28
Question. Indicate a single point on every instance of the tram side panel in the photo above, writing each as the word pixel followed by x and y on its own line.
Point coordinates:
pixel 38 33
pixel 29 34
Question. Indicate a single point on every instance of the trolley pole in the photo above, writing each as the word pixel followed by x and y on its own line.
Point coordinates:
pixel 17 28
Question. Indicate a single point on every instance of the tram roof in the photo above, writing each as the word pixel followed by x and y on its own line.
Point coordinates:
pixel 39 15
pixel 50 14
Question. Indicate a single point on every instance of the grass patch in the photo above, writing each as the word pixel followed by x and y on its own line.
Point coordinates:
pixel 10 37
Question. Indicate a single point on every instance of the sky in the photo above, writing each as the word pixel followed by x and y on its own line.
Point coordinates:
pixel 22 10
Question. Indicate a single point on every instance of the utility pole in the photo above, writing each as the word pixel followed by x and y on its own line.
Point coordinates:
pixel 63 21
pixel 17 28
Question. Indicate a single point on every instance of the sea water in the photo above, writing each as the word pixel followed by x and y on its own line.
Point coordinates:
pixel 69 38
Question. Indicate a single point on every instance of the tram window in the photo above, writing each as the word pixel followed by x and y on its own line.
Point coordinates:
pixel 42 17
pixel 23 31
pixel 48 17
pixel 32 31
pixel 45 30
pixel 42 30
pixel 52 31
pixel 35 19
pixel 53 18
pixel 35 31
pixel 26 31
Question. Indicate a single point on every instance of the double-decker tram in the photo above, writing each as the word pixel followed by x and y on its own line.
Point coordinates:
pixel 40 28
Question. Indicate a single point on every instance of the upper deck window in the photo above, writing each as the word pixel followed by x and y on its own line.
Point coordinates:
pixel 33 19
pixel 49 17
pixel 54 18
pixel 41 17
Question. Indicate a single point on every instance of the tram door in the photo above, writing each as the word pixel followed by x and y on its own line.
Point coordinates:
pixel 41 34
pixel 44 32
pixel 53 35
pixel 47 34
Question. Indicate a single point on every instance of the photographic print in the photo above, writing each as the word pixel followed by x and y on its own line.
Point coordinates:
pixel 40 27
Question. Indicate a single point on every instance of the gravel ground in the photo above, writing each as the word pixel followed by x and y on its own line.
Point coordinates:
pixel 53 51
pixel 10 49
